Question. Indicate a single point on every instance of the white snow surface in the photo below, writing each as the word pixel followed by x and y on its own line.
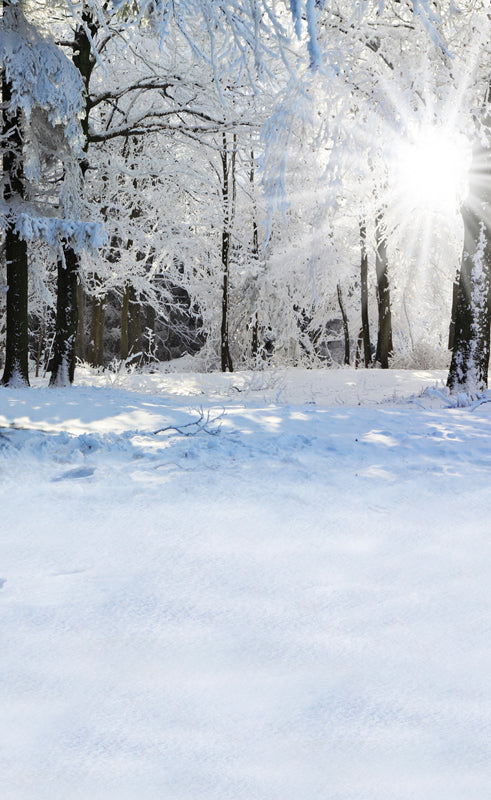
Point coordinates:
pixel 294 603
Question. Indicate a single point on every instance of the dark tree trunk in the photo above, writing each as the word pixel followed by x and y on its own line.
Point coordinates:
pixel 16 370
pixel 384 338
pixel 468 371
pixel 131 323
pixel 134 323
pixel 255 336
pixel 228 200
pixel 365 325
pixel 345 326
pixel 99 354
pixel 470 355
pixel 95 350
pixel 80 342
pixel 64 351
pixel 124 321
pixel 255 255
pixel 225 357
pixel 63 359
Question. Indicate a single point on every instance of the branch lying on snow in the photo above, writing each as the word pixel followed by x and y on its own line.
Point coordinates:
pixel 461 400
pixel 480 402
pixel 204 424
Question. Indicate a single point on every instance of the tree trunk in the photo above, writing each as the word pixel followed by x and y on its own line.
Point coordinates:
pixel 149 343
pixel 453 313
pixel 365 325
pixel 95 350
pixel 384 338
pixel 345 326
pixel 16 370
pixel 255 256
pixel 225 357
pixel 80 342
pixel 42 333
pixel 468 373
pixel 63 359
pixel 228 200
pixel 64 350
pixel 100 332
pixel 124 321
pixel 134 323
pixel 255 337
pixel 470 355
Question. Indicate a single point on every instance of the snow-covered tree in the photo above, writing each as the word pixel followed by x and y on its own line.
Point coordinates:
pixel 390 92
pixel 41 106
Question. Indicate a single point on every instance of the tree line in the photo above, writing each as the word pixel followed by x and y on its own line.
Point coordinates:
pixel 223 180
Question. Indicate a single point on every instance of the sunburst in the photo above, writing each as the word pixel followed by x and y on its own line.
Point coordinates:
pixel 431 170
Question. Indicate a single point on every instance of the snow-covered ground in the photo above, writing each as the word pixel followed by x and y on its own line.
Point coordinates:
pixel 291 602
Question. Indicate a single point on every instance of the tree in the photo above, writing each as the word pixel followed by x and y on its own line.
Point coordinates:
pixel 384 339
pixel 41 102
pixel 160 100
pixel 16 363
pixel 468 373
pixel 66 322
pixel 365 320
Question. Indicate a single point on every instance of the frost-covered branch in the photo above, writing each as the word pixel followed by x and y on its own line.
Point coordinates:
pixel 202 425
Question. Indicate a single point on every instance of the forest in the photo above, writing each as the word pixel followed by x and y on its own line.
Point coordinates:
pixel 249 183
pixel 245 430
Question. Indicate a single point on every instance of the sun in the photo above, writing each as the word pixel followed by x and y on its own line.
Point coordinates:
pixel 430 171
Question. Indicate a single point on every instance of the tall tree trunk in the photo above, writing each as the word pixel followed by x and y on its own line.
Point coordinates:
pixel 16 370
pixel 384 338
pixel 80 341
pixel 100 332
pixel 345 326
pixel 95 350
pixel 255 256
pixel 225 357
pixel 365 324
pixel 124 321
pixel 468 373
pixel 255 337
pixel 63 359
pixel 228 201
pixel 64 351
pixel 65 344
pixel 134 323
pixel 131 323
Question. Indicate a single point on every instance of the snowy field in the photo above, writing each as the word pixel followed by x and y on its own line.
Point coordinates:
pixel 290 602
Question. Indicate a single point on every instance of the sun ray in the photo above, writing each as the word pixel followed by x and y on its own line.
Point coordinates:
pixel 431 169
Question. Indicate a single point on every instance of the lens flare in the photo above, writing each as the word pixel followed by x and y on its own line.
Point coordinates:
pixel 431 171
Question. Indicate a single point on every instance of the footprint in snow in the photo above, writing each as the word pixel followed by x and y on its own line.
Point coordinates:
pixel 3 581
pixel 73 474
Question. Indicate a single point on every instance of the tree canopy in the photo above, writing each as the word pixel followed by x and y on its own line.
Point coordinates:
pixel 254 183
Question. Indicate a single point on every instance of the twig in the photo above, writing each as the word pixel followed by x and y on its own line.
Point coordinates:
pixel 201 424
pixel 480 402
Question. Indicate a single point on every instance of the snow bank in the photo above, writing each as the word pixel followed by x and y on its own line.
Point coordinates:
pixel 292 603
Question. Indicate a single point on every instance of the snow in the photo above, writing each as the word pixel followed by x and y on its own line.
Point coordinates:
pixel 291 603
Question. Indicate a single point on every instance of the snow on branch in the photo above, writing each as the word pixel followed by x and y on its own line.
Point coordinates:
pixel 203 423
pixel 81 235
pixel 41 76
